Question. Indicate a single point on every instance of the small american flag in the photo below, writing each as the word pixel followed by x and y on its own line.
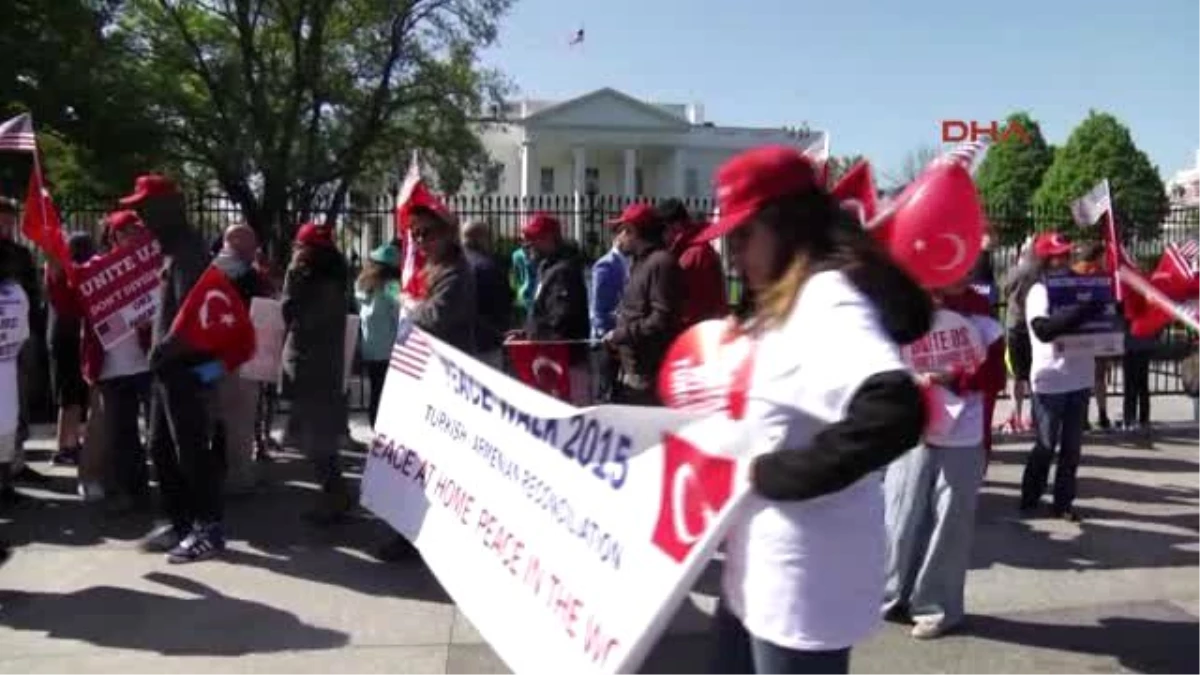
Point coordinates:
pixel 969 154
pixel 412 351
pixel 17 134
pixel 1092 206
pixel 1183 255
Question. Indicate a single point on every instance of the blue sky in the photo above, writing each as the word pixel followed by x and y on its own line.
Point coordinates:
pixel 878 75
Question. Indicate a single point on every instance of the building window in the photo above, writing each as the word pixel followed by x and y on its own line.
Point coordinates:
pixel 691 183
pixel 639 188
pixel 547 180
pixel 591 179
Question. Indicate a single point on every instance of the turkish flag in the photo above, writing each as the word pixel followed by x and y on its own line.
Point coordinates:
pixel 214 320
pixel 543 366
pixel 40 222
pixel 414 193
pixel 695 487
pixel 855 191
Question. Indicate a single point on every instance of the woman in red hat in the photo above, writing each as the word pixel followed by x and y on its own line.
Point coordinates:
pixel 833 403
pixel 1061 380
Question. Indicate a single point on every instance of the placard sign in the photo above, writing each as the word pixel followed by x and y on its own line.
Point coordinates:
pixel 120 289
pixel 1102 335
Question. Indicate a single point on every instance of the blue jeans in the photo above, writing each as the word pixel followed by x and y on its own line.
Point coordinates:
pixel 737 651
pixel 1058 423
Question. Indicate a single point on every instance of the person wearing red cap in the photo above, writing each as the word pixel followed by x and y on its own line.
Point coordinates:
pixel 560 304
pixel 1061 380
pixel 315 305
pixel 700 268
pixel 648 316
pixel 830 403
pixel 189 473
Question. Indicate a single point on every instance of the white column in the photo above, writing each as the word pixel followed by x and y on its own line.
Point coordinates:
pixel 579 172
pixel 528 167
pixel 630 172
pixel 677 168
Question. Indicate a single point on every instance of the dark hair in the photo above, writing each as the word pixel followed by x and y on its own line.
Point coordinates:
pixel 671 211
pixel 654 231
pixel 81 247
pixel 375 276
pixel 817 235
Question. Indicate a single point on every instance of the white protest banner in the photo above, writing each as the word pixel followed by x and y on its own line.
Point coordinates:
pixel 954 342
pixel 350 343
pixel 567 536
pixel 269 332
pixel 14 320
pixel 120 289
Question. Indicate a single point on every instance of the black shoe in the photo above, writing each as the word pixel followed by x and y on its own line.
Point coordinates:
pixel 9 497
pixel 203 543
pixel 66 457
pixel 28 475
pixel 1027 510
pixel 1105 424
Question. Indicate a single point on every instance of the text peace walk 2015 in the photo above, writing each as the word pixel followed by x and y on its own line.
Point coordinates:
pixel 508 547
pixel 601 543
pixel 592 444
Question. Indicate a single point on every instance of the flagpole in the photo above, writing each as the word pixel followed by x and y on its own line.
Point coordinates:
pixel 37 172
pixel 552 342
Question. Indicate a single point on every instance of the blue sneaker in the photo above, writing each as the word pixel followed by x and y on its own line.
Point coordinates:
pixel 204 542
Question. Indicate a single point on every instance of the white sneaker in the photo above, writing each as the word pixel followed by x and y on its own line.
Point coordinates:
pixel 928 630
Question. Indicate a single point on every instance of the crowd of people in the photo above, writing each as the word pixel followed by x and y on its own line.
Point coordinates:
pixel 858 512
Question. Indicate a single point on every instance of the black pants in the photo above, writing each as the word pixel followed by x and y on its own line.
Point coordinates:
pixel 606 368
pixel 122 398
pixel 376 374
pixel 629 396
pixel 189 472
pixel 1136 369
pixel 264 420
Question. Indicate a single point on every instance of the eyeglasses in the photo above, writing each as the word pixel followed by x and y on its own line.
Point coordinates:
pixel 422 233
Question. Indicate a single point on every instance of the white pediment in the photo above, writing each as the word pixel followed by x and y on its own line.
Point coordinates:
pixel 605 108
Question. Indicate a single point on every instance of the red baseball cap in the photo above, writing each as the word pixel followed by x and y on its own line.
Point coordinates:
pixel 540 225
pixel 751 179
pixel 637 215
pixel 1050 245
pixel 149 185
pixel 121 220
pixel 314 234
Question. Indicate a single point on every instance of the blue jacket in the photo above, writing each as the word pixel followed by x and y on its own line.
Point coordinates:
pixel 609 275
pixel 379 317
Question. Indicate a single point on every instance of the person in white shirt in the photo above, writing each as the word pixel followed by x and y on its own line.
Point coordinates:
pixel 932 491
pixel 804 561
pixel 1061 381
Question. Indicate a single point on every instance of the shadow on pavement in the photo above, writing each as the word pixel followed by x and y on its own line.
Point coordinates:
pixel 1138 644
pixel 209 624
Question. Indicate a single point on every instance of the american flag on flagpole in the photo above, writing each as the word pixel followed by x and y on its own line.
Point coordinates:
pixel 17 134
pixel 411 279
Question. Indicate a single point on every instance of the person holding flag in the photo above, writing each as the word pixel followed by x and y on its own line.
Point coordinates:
pixel 195 323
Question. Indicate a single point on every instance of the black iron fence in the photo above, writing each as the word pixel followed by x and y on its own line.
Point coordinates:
pixel 367 223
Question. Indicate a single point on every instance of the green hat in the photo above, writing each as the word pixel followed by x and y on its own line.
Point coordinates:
pixel 386 255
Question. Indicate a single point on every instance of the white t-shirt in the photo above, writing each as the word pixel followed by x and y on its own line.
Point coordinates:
pixel 1054 370
pixel 124 358
pixel 967 429
pixel 810 575
pixel 14 313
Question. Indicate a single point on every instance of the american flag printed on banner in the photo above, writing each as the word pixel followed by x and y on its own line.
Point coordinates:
pixel 412 351
pixel 17 134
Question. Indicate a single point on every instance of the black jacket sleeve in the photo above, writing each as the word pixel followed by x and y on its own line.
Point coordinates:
pixel 1049 328
pixel 883 421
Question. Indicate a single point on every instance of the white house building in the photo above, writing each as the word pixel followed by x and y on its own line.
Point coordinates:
pixel 1184 186
pixel 611 143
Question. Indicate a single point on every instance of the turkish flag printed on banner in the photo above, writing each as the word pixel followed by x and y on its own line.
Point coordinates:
pixel 40 222
pixel 696 485
pixel 214 320
pixel 543 366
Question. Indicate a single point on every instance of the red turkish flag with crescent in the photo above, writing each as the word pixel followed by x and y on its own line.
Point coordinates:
pixel 708 369
pixel 214 320
pixel 543 366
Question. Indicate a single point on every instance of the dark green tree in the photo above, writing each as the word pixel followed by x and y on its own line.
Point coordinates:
pixel 1010 174
pixel 287 103
pixel 1102 147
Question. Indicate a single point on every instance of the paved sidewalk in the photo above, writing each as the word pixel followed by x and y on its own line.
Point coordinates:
pixel 1117 592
